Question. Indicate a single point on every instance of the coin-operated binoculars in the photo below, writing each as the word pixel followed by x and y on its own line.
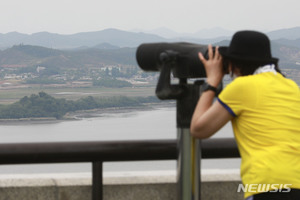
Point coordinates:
pixel 180 60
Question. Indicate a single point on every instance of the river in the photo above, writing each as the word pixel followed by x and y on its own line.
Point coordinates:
pixel 157 122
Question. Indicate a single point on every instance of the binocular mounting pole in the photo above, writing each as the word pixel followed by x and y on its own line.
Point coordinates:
pixel 189 151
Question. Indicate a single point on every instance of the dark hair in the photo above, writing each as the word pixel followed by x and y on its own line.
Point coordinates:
pixel 245 67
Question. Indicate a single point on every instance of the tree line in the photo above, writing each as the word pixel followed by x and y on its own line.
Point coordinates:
pixel 44 105
pixel 111 82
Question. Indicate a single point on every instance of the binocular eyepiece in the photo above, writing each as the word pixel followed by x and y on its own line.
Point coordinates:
pixel 184 58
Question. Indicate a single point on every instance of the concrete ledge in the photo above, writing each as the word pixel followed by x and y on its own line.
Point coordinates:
pixel 154 185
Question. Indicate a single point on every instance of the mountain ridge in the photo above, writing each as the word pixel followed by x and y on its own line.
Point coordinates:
pixel 28 55
pixel 123 38
pixel 107 54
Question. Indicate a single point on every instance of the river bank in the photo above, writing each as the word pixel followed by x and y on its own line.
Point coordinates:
pixel 91 113
pixel 103 112
pixel 44 106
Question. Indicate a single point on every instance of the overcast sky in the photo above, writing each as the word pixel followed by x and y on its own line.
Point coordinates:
pixel 73 16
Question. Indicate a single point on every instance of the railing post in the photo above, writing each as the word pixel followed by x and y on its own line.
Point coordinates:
pixel 97 180
pixel 188 164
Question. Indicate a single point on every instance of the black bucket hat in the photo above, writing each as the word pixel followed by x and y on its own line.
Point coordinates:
pixel 250 46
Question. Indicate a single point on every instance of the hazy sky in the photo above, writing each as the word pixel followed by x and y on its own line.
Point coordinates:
pixel 73 16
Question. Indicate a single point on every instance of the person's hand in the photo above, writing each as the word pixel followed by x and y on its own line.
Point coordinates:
pixel 213 66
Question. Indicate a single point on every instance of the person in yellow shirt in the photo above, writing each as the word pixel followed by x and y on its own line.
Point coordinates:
pixel 264 109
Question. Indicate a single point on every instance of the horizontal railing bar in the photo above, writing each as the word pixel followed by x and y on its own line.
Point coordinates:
pixel 219 148
pixel 58 152
pixel 65 152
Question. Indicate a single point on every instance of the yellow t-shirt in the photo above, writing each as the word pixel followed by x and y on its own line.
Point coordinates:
pixel 266 126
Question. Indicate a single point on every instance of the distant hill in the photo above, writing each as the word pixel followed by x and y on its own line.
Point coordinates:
pixel 289 33
pixel 112 46
pixel 27 55
pixel 201 34
pixel 288 55
pixel 106 45
pixel 295 43
pixel 113 38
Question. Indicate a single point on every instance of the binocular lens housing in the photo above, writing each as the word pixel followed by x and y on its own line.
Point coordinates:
pixel 184 58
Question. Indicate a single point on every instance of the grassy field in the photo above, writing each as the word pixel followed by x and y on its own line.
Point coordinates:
pixel 10 95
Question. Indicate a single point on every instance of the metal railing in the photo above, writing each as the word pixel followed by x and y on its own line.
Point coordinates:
pixel 103 151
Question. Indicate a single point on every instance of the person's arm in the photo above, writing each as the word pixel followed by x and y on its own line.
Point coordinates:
pixel 208 118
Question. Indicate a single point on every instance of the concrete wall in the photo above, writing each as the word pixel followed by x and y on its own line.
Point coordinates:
pixel 156 185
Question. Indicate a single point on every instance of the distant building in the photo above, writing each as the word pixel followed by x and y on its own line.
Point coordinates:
pixel 39 68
